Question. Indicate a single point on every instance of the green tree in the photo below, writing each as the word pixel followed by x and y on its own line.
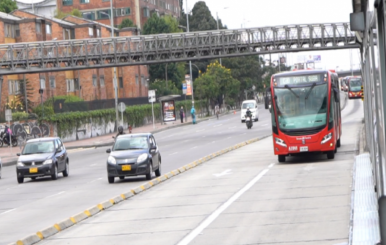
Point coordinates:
pixel 60 14
pixel 156 25
pixel 162 90
pixel 7 6
pixel 173 72
pixel 217 83
pixel 126 23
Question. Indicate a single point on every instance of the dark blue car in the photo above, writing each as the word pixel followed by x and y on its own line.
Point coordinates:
pixel 133 155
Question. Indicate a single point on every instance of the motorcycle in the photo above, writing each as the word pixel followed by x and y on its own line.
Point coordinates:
pixel 2 139
pixel 248 121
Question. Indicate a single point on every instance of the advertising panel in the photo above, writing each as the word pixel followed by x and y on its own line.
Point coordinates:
pixel 184 88
pixel 188 85
pixel 168 110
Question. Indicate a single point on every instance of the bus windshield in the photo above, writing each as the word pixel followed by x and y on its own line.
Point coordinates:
pixel 301 107
pixel 355 84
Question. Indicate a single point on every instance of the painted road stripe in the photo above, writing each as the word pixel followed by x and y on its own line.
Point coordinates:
pixel 221 209
pixel 173 153
pixel 56 194
pixel 8 211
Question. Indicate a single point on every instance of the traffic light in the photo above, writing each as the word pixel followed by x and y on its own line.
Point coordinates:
pixel 362 94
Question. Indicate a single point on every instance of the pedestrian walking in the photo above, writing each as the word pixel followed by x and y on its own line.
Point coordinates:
pixel 217 110
pixel 182 114
pixel 193 112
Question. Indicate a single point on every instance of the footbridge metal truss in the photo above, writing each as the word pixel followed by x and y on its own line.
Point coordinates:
pixel 49 56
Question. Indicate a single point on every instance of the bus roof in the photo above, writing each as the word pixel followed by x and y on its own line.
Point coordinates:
pixel 301 72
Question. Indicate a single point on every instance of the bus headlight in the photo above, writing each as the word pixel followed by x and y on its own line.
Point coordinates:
pixel 280 142
pixel 326 138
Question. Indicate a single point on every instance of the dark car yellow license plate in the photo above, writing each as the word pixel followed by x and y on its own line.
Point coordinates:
pixel 33 170
pixel 126 167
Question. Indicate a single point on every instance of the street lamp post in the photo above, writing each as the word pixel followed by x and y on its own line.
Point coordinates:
pixel 115 69
pixel 190 62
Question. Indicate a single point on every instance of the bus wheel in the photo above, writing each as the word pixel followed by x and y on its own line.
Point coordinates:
pixel 331 154
pixel 281 158
pixel 338 143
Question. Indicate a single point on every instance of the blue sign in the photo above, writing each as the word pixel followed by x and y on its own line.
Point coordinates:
pixel 184 88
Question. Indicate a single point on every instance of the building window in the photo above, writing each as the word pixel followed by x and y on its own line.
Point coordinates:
pixel 42 83
pixel 142 80
pixel 122 11
pixel 89 15
pixel 76 84
pixel 67 2
pixel 103 14
pixel 90 32
pixel 48 29
pixel 136 80
pixel 84 1
pixel 52 82
pixel 146 12
pixel 10 30
pixel 66 34
pixel 38 28
pixel 94 80
pixel 120 82
pixel 102 81
pixel 98 33
pixel 70 85
pixel 13 87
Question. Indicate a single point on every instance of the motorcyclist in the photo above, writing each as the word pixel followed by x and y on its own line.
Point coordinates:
pixel 120 131
pixel 248 113
pixel 6 134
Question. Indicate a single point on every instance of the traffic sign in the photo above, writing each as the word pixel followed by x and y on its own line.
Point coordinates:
pixel 121 107
pixel 151 95
pixel 8 115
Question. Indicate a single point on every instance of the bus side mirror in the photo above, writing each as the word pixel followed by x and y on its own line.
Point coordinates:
pixel 266 102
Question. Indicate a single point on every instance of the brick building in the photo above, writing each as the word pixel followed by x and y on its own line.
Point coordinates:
pixel 91 84
pixel 136 10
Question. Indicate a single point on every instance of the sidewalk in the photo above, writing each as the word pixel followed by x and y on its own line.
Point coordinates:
pixel 9 157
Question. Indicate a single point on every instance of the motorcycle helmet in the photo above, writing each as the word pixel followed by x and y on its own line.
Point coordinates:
pixel 120 129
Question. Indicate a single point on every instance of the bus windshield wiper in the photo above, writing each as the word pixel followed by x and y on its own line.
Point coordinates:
pixel 290 89
pixel 309 92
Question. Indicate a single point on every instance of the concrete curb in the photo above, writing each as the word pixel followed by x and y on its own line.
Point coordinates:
pixel 50 231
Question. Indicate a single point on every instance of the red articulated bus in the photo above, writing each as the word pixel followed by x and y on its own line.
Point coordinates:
pixel 354 85
pixel 305 109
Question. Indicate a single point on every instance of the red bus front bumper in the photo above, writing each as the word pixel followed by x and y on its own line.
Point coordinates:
pixel 354 95
pixel 287 145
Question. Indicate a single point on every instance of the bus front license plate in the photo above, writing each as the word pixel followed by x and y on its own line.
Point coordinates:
pixel 304 148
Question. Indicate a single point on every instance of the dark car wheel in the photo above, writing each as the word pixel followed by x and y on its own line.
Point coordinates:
pixel 110 179
pixel 20 180
pixel 338 143
pixel 149 174
pixel 66 170
pixel 331 154
pixel 158 171
pixel 281 158
pixel 33 178
pixel 121 177
pixel 54 175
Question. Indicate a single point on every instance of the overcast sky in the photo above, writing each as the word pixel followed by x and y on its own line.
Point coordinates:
pixel 260 13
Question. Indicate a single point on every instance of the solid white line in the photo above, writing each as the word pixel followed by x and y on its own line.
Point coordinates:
pixel 8 211
pixel 173 153
pixel 271 165
pixel 193 147
pixel 56 194
pixel 218 211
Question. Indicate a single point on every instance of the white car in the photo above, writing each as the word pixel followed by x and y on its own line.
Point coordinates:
pixel 252 107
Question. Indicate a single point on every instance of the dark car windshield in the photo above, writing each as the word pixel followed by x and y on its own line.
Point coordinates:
pixel 131 143
pixel 38 147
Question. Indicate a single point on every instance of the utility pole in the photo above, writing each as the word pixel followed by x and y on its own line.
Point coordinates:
pixel 190 62
pixel 115 69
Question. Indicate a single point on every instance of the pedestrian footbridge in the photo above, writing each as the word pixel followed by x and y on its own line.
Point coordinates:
pixel 50 56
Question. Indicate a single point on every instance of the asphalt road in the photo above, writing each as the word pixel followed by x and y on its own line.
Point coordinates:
pixel 34 205
pixel 242 197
